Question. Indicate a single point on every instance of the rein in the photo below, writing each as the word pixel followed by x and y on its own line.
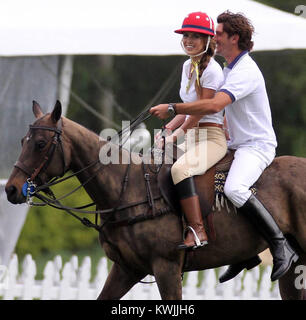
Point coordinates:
pixel 30 188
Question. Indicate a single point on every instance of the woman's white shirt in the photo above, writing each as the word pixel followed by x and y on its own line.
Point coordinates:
pixel 212 78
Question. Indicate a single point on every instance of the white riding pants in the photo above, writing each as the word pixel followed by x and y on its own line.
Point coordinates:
pixel 247 167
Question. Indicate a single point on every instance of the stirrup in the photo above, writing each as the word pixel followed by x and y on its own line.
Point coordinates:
pixel 196 238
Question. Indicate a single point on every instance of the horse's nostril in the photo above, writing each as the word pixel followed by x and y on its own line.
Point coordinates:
pixel 13 194
pixel 10 191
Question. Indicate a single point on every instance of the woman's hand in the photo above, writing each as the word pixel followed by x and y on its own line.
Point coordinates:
pixel 158 138
pixel 166 132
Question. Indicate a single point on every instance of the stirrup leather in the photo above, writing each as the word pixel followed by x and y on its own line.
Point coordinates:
pixel 196 238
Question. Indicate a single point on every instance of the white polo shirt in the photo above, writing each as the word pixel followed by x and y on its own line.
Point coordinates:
pixel 212 78
pixel 249 115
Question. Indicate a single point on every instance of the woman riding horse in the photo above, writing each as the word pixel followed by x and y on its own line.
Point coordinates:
pixel 201 78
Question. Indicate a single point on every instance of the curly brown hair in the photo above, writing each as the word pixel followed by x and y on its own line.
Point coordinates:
pixel 237 23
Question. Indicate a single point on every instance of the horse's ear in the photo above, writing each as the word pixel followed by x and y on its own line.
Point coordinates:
pixel 37 110
pixel 57 112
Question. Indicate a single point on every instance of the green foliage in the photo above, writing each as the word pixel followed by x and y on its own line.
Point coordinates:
pixel 134 81
pixel 85 71
pixel 285 76
pixel 48 230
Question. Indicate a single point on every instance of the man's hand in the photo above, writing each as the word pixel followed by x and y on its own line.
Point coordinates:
pixel 160 111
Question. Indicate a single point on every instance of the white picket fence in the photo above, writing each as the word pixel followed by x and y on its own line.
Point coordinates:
pixel 73 282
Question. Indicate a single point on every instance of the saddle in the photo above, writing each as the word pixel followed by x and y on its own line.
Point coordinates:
pixel 207 185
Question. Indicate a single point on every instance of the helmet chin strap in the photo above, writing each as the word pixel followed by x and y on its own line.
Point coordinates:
pixel 199 54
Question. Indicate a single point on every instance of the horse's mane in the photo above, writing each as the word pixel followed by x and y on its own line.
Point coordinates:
pixel 79 126
pixel 102 140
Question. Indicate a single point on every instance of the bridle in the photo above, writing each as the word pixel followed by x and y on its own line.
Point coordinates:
pixel 56 140
pixel 31 189
pixel 47 156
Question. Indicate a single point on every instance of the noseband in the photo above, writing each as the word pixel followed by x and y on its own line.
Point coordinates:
pixel 47 157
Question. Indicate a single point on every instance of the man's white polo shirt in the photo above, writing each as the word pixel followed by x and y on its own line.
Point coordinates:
pixel 249 115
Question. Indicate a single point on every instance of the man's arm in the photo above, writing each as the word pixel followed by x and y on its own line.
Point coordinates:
pixel 205 106
pixel 200 107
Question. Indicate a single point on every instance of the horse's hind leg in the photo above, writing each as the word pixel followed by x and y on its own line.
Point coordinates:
pixel 292 284
pixel 118 283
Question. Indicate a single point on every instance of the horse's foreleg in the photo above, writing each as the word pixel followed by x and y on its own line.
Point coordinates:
pixel 168 278
pixel 118 283
pixel 292 284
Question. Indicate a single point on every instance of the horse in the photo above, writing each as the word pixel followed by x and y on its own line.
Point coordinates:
pixel 139 236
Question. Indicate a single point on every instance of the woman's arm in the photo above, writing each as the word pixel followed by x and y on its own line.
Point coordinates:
pixel 202 106
pixel 193 120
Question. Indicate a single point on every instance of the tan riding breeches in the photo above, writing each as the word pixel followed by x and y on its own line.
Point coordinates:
pixel 203 147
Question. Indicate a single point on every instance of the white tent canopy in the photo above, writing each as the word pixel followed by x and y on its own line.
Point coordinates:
pixel 51 27
pixel 32 29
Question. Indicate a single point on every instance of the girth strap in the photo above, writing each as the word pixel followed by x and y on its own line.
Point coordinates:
pixel 141 217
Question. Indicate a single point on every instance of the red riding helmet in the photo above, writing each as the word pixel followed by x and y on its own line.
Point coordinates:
pixel 198 22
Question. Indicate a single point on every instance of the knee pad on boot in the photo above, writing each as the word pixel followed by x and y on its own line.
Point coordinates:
pixel 186 188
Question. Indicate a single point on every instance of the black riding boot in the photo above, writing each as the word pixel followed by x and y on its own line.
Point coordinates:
pixel 283 254
pixel 196 236
pixel 236 268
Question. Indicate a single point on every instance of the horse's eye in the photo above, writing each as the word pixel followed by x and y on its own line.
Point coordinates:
pixel 22 140
pixel 40 144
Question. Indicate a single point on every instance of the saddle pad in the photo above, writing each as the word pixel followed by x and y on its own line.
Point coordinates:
pixel 220 197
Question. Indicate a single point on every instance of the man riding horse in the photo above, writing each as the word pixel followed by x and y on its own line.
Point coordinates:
pixel 248 114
